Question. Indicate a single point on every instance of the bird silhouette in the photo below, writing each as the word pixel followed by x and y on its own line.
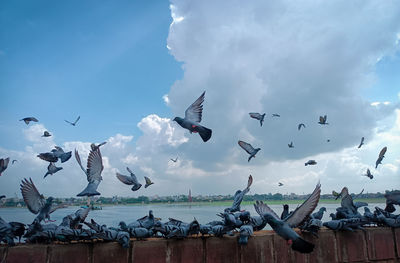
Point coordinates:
pixel 322 120
pixel 52 169
pixel 275 115
pixel 249 149
pixel 148 182
pixel 27 120
pixel 310 162
pixel 368 174
pixel 301 125
pixel 280 184
pixel 257 116
pixel 361 143
pixel 380 157
pixel 73 123
pixel 130 180
pixel 174 160
pixel 291 145
pixel 46 134
pixel 193 116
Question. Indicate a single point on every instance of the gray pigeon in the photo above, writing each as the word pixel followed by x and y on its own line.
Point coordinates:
pixel 318 215
pixel 257 116
pixel 148 182
pixel 52 169
pixel 249 149
pixel 347 202
pixel 59 153
pixel 46 134
pixel 301 125
pixel 4 164
pixel 322 120
pixel 129 180
pixel 93 172
pixel 392 198
pixel 280 184
pixel 361 143
pixel 291 145
pixel 284 227
pixel 49 157
pixel 245 232
pixel 310 162
pixel 380 157
pixel 73 123
pixel 237 199
pixel 368 174
pixel 35 202
pixel 29 119
pixel 174 160
pixel 275 115
pixel 193 116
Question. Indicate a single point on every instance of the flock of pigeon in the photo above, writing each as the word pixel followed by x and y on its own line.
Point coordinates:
pixel 232 219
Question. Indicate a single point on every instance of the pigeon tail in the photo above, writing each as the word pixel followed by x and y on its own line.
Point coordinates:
pixel 90 190
pixel 204 132
pixel 302 246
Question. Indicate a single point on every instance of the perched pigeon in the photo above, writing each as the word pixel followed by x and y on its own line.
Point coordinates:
pixel 249 149
pixel 93 171
pixel 35 202
pixel 174 160
pixel 380 157
pixel 46 134
pixel 237 199
pixel 73 123
pixel 310 162
pixel 129 180
pixel 59 153
pixel 148 182
pixel 257 116
pixel 52 169
pixel 280 184
pixel 275 115
pixel 318 215
pixel 49 157
pixel 284 227
pixel 322 120
pixel 291 145
pixel 347 202
pixel 4 164
pixel 29 119
pixel 193 116
pixel 368 174
pixel 301 125
pixel 361 143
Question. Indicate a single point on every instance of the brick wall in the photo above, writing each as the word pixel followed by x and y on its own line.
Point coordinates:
pixel 373 245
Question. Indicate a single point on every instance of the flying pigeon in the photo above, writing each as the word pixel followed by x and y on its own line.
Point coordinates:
pixel 347 201
pixel 29 119
pixel 249 149
pixel 93 171
pixel 238 197
pixel 129 180
pixel 36 202
pixel 291 145
pixel 94 147
pixel 361 143
pixel 301 125
pixel 73 123
pixel 322 120
pixel 174 160
pixel 284 227
pixel 2 196
pixel 4 164
pixel 380 157
pixel 14 161
pixel 148 182
pixel 275 115
pixel 46 134
pixel 59 153
pixel 257 116
pixel 52 169
pixel 310 162
pixel 49 157
pixel 280 184
pixel 328 140
pixel 192 119
pixel 368 174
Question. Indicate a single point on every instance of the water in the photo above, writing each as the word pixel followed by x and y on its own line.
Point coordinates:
pixel 112 215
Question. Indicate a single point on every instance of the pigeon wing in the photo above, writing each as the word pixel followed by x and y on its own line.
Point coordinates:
pixel 255 115
pixel 383 151
pixel 59 149
pixel 94 166
pixel 361 143
pixel 249 182
pixel 148 181
pixel 262 208
pixel 321 119
pixel 302 212
pixel 68 122
pixel 246 146
pixel 78 159
pixel 125 179
pixel 32 198
pixel 195 111
pixel 77 119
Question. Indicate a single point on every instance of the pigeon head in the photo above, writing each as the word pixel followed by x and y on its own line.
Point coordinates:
pixel 49 200
pixel 322 209
pixel 285 207
pixel 178 120
pixel 366 210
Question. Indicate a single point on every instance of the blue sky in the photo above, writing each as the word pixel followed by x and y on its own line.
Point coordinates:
pixel 108 62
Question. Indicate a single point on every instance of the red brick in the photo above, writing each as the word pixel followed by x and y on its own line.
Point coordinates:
pixel 223 249
pixel 258 249
pixel 397 237
pixel 351 246
pixel 154 251
pixel 325 247
pixel 27 254
pixel 189 250
pixel 380 243
pixel 70 253
pixel 109 252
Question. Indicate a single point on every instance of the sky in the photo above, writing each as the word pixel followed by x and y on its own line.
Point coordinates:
pixel 127 68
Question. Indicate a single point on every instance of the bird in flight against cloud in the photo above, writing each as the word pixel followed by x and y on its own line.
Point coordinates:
pixel 275 115
pixel 148 182
pixel 73 123
pixel 280 184
pixel 27 120
pixel 361 143
pixel 52 169
pixel 291 145
pixel 193 116
pixel 174 160
pixel 310 162
pixel 322 120
pixel 46 134
pixel 368 174
pixel 257 116
pixel 249 149
pixel 380 157
pixel 301 125
pixel 129 180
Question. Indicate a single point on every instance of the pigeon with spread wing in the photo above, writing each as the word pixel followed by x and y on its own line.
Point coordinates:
pixel 257 116
pixel 380 157
pixel 249 149
pixel 129 180
pixel 238 197
pixel 322 120
pixel 73 123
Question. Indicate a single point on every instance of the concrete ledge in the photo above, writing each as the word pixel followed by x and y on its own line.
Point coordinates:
pixel 375 244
